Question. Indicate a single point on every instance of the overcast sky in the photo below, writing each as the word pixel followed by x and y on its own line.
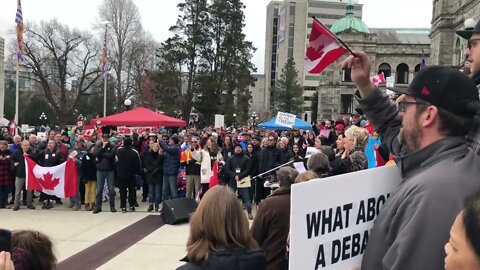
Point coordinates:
pixel 159 15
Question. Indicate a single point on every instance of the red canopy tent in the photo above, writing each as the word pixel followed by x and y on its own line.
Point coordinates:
pixel 139 117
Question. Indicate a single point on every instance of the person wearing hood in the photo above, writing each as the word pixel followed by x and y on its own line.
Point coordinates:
pixel 219 236
pixel 237 169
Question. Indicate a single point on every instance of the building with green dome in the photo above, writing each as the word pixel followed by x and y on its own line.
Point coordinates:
pixel 349 22
pixel 395 52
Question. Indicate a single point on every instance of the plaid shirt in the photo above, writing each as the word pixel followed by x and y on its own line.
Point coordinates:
pixel 6 178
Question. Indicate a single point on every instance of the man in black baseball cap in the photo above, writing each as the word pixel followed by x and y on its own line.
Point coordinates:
pixel 426 135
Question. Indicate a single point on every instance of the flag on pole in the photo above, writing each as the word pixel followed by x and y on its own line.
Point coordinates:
pixel 20 29
pixel 103 59
pixel 13 125
pixel 60 180
pixel 422 63
pixel 378 79
pixel 323 48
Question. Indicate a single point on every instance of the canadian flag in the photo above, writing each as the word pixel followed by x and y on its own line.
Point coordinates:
pixel 60 180
pixel 13 125
pixel 323 49
pixel 378 79
pixel 88 133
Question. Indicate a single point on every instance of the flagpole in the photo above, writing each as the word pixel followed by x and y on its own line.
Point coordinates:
pixel 104 95
pixel 336 37
pixel 16 96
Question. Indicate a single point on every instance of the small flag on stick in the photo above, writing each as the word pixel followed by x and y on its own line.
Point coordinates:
pixel 323 48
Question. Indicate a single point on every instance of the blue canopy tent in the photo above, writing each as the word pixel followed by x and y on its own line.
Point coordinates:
pixel 299 124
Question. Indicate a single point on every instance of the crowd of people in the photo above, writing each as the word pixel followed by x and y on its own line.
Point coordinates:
pixel 431 132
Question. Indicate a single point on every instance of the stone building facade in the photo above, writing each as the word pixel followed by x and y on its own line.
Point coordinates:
pixel 449 16
pixel 395 52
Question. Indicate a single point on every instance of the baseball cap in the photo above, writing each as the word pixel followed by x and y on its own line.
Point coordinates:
pixel 470 27
pixel 444 87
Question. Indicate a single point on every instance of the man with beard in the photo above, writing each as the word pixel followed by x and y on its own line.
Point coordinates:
pixel 473 63
pixel 296 138
pixel 271 157
pixel 426 134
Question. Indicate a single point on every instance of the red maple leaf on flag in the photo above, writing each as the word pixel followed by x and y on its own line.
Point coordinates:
pixel 315 53
pixel 48 182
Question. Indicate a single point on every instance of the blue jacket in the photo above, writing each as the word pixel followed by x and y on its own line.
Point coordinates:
pixel 171 160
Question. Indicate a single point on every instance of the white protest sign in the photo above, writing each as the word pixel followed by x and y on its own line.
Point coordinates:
pixel 285 119
pixel 331 218
pixel 24 128
pixel 390 82
pixel 219 121
pixel 310 151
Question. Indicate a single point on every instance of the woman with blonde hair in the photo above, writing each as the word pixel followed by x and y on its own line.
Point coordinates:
pixel 219 235
pixel 353 157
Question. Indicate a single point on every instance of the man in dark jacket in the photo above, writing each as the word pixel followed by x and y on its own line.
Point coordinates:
pixel 272 223
pixel 271 157
pixel 237 168
pixel 171 164
pixel 49 157
pixel 105 156
pixel 18 161
pixel 128 166
pixel 191 160
pixel 426 134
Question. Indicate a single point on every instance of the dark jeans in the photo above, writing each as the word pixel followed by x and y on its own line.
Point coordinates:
pixel 245 194
pixel 155 195
pixel 170 187
pixel 4 191
pixel 127 184
pixel 103 176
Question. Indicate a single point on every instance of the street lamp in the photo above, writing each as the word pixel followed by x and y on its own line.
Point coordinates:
pixel 43 117
pixel 234 119
pixel 254 117
pixel 81 117
pixel 127 104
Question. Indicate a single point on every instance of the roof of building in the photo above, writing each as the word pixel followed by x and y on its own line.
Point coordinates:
pixel 349 22
pixel 402 35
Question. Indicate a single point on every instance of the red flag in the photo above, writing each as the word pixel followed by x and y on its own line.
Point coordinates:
pixel 13 125
pixel 323 49
pixel 214 179
pixel 60 180
pixel 378 79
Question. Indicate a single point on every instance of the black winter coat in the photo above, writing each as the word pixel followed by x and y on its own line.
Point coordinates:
pixel 17 156
pixel 106 158
pixel 271 157
pixel 88 169
pixel 47 158
pixel 237 161
pixel 232 258
pixel 128 163
pixel 286 155
pixel 153 163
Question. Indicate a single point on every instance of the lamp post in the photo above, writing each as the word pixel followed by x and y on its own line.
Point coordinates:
pixel 254 118
pixel 234 119
pixel 127 104
pixel 81 117
pixel 42 117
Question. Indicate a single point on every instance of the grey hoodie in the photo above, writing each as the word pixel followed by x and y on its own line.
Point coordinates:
pixel 414 224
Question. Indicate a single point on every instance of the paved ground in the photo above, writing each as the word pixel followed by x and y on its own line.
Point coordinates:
pixel 75 232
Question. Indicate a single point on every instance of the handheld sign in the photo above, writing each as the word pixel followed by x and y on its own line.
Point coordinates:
pixel 390 82
pixel 310 151
pixel 285 119
pixel 24 128
pixel 331 218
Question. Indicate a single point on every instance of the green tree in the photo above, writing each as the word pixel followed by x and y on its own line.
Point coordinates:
pixel 226 67
pixel 287 92
pixel 55 54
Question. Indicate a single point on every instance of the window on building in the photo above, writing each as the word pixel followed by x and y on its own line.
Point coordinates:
pixel 417 68
pixel 402 73
pixel 386 69
pixel 290 52
pixel 457 53
pixel 292 10
pixel 346 76
pixel 346 101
